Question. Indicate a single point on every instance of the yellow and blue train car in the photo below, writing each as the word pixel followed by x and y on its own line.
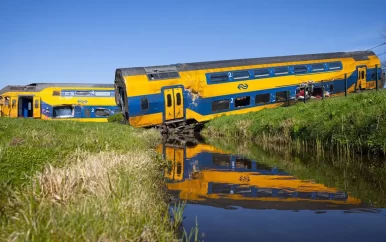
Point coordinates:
pixel 201 91
pixel 59 101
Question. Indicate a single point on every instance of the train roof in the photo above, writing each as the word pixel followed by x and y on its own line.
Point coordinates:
pixel 36 87
pixel 357 55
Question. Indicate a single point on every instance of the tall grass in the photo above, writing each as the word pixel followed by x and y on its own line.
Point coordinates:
pixel 82 182
pixel 357 122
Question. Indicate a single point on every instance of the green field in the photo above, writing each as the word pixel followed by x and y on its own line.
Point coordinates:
pixel 70 181
pixel 356 122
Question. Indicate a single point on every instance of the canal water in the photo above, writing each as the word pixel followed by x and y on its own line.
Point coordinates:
pixel 266 197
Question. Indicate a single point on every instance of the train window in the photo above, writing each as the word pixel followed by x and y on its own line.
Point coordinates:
pixel 144 104
pixel 82 93
pixel 242 101
pixel 334 65
pixel 13 103
pixel 87 112
pixel 174 75
pixel 220 105
pixel 240 75
pixel 363 75
pixel 117 110
pixel 55 93
pixel 318 67
pixel 281 70
pixel 300 69
pixel 63 112
pixel 36 103
pixel 261 72
pixel 163 75
pixel 281 96
pixel 219 77
pixel 262 98
pixel 6 101
pixel 103 94
pixel 102 112
pixel 169 100
pixel 178 96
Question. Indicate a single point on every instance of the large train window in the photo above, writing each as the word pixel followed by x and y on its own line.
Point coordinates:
pixel 240 75
pixel 281 70
pixel 63 111
pixel 242 101
pixel 219 77
pixel 262 98
pixel 102 112
pixel 163 75
pixel 261 72
pixel 281 96
pixel 335 65
pixel 220 105
pixel 144 104
pixel 300 69
pixel 318 67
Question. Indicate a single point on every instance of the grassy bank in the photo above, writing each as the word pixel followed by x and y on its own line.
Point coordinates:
pixel 365 180
pixel 68 181
pixel 356 122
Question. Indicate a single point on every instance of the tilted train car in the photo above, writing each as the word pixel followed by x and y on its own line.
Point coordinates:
pixel 60 101
pixel 201 91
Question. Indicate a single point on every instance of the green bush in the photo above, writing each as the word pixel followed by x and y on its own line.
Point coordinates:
pixel 116 118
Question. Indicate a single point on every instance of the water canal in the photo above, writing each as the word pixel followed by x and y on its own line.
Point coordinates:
pixel 265 197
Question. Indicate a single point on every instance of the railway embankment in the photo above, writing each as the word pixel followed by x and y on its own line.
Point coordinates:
pixel 356 123
pixel 70 181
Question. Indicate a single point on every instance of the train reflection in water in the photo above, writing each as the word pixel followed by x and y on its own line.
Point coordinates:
pixel 202 174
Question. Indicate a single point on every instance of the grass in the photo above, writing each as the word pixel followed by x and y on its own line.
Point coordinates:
pixel 361 177
pixel 357 122
pixel 69 181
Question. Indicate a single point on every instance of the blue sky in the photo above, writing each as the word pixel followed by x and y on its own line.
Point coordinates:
pixel 85 41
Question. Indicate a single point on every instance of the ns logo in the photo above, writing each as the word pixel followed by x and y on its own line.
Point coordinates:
pixel 242 86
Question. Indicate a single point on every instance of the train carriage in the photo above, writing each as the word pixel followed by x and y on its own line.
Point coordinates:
pixel 201 91
pixel 59 101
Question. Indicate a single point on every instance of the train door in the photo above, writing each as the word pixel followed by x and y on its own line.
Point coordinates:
pixel 14 110
pixel 25 107
pixel 36 108
pixel 362 78
pixel 174 104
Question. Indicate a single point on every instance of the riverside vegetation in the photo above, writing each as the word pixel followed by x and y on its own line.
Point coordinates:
pixel 356 123
pixel 363 177
pixel 70 181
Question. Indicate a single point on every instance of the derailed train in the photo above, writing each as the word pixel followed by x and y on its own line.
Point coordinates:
pixel 198 92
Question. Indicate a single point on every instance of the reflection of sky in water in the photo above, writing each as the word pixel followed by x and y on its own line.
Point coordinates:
pixel 220 224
